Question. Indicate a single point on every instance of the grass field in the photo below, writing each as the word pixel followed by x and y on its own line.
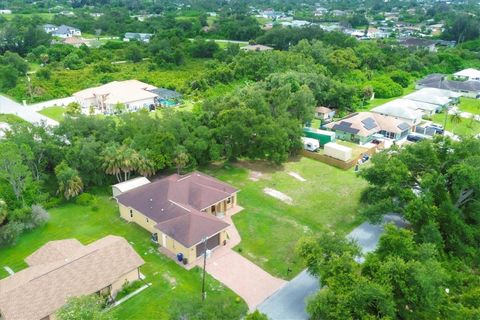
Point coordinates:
pixel 379 101
pixel 55 113
pixel 86 224
pixel 270 229
pixel 46 16
pixel 469 105
pixel 467 127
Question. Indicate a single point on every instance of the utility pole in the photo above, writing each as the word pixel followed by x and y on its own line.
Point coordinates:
pixel 204 294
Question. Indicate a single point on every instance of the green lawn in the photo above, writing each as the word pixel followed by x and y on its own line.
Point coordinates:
pixel 270 229
pixel 55 113
pixel 44 15
pixel 469 105
pixel 465 128
pixel 379 101
pixel 10 118
pixel 82 222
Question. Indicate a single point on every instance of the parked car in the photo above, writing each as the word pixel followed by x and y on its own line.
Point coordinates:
pixel 436 128
pixel 415 137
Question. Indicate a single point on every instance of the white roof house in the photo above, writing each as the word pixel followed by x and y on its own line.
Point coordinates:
pixel 403 109
pixel 468 74
pixel 125 186
pixel 133 94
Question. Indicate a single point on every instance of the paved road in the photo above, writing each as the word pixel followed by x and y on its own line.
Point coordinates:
pixel 8 106
pixel 289 302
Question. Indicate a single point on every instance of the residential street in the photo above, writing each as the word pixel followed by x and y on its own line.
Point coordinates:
pixel 8 106
pixel 288 303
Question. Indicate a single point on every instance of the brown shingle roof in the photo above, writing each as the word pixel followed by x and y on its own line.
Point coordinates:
pixel 53 251
pixel 41 289
pixel 175 202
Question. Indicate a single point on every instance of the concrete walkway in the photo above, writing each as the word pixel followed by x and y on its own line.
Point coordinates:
pixel 8 106
pixel 242 276
pixel 289 303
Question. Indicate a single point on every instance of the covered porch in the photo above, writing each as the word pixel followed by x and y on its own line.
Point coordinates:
pixel 223 207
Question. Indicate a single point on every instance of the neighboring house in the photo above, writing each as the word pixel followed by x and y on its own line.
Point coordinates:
pixel 256 47
pixel 465 88
pixel 419 43
pixel 49 28
pixel 75 41
pixel 433 99
pixel 468 74
pixel 180 211
pixel 5 11
pixel 144 37
pixel 363 127
pixel 62 31
pixel 405 110
pixel 132 94
pixel 325 114
pixel 63 269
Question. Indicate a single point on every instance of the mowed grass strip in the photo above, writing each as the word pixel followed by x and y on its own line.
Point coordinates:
pixel 270 228
pixel 88 224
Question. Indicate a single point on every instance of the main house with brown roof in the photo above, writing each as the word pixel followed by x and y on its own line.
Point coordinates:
pixel 66 268
pixel 180 211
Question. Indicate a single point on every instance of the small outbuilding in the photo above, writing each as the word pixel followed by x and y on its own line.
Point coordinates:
pixel 338 151
pixel 119 188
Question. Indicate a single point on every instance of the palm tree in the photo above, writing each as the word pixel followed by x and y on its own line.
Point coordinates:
pixel 69 182
pixel 122 160
pixel 455 118
pixel 111 161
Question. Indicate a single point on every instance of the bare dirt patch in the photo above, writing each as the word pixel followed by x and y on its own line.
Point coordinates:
pixel 297 176
pixel 255 175
pixel 170 279
pixel 278 195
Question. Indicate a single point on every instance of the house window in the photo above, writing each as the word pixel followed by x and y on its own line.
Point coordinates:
pixel 147 219
pixel 131 213
pixel 229 200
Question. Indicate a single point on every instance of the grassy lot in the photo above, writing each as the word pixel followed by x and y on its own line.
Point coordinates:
pixel 10 118
pixel 64 83
pixel 469 105
pixel 46 16
pixel 55 113
pixel 379 101
pixel 270 229
pixel 87 224
pixel 465 128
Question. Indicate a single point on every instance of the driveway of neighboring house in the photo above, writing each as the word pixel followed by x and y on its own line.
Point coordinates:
pixel 8 106
pixel 289 303
pixel 242 276
pixel 51 103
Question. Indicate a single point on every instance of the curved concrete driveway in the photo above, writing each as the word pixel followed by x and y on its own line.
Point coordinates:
pixel 242 276
pixel 8 106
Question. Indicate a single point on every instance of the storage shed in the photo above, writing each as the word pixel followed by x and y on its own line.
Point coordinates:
pixel 338 151
pixel 125 186
pixel 323 136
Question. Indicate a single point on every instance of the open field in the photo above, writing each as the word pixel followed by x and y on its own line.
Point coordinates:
pixel 45 16
pixel 379 101
pixel 270 228
pixel 464 128
pixel 55 113
pixel 89 223
pixel 469 105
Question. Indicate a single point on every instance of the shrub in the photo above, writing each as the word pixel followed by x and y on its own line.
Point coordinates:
pixel 400 77
pixel 39 216
pixel 385 87
pixel 84 199
pixel 127 288
pixel 9 233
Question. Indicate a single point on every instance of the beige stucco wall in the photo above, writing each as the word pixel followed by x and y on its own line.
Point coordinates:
pixel 127 277
pixel 138 218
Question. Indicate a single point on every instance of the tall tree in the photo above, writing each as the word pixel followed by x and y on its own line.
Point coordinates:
pixel 13 169
pixel 69 182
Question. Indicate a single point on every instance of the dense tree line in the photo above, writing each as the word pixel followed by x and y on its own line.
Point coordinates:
pixel 429 269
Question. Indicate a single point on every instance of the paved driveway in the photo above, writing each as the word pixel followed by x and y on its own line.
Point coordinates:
pixel 242 276
pixel 289 302
pixel 8 106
